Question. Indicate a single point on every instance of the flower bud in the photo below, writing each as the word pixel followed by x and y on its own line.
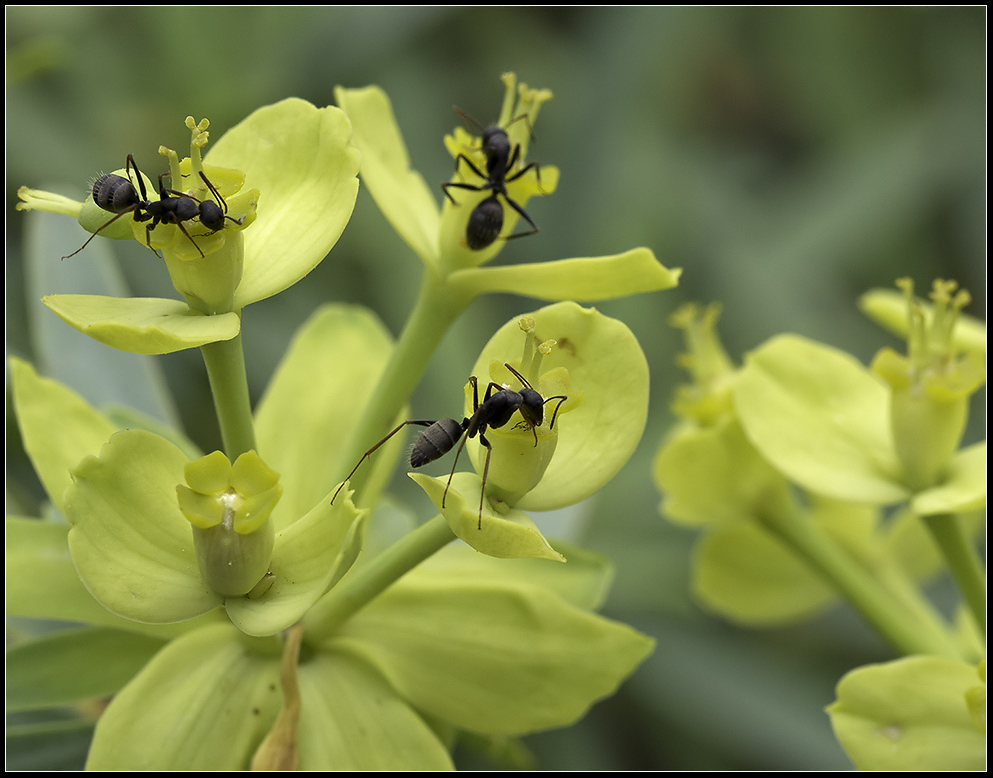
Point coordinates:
pixel 229 507
pixel 930 386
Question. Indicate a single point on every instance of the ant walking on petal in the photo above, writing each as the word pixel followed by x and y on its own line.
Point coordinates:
pixel 494 411
pixel 486 219
pixel 118 195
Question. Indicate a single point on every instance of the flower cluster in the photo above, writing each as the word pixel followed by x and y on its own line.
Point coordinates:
pixel 262 624
pixel 788 462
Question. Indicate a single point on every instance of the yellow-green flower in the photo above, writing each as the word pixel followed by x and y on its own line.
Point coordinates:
pixel 229 507
pixel 931 386
pixel 292 163
pixel 598 366
pixel 830 425
pixel 437 235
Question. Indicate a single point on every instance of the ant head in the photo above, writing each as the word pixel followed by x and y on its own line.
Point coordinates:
pixel 496 143
pixel 532 404
pixel 533 407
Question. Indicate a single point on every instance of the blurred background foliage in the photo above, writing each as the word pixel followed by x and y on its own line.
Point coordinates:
pixel 788 159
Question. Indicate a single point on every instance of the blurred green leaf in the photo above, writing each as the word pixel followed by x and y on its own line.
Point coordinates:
pixel 74 665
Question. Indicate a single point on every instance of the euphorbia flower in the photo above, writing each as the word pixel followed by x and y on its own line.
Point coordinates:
pixel 437 236
pixel 596 363
pixel 131 539
pixel 931 386
pixel 715 474
pixel 229 507
pixel 828 423
pixel 293 163
pixel 366 681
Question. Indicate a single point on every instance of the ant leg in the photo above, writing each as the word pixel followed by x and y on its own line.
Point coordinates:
pixel 524 214
pixel 183 230
pixel 561 398
pixel 373 449
pixel 469 426
pixel 533 165
pixel 137 174
pixel 470 163
pixel 99 230
pixel 471 187
pixel 486 470
pixel 217 195
pixel 458 453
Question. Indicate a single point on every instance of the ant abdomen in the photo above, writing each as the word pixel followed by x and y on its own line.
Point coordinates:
pixel 114 193
pixel 436 441
pixel 485 223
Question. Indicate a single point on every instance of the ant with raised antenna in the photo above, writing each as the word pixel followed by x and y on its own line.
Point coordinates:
pixel 486 219
pixel 495 411
pixel 118 195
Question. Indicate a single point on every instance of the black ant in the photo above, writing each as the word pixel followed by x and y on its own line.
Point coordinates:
pixel 118 195
pixel 495 411
pixel 486 220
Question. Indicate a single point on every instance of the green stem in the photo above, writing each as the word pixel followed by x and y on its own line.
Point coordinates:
pixel 225 361
pixel 901 627
pixel 960 554
pixel 356 590
pixel 436 309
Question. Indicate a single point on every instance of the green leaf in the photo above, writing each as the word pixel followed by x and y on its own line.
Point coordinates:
pixel 58 426
pixel 299 159
pixel 821 418
pixel 142 325
pixel 314 393
pixel 71 666
pixel 352 720
pixel 42 582
pixel 48 745
pixel 596 439
pixel 911 714
pixel 132 545
pixel 584 279
pixel 513 658
pixel 401 193
pixel 214 700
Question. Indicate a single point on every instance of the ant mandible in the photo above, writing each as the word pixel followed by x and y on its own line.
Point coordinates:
pixel 118 195
pixel 486 219
pixel 495 411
